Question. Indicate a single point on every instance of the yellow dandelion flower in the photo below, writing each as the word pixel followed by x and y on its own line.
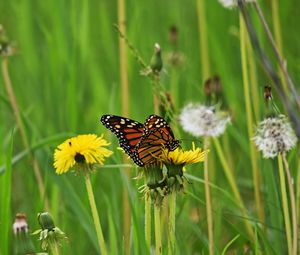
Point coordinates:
pixel 87 149
pixel 181 157
pixel 175 161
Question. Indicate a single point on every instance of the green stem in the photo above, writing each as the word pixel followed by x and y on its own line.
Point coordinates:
pixel 250 124
pixel 54 247
pixel 293 203
pixel 155 87
pixel 298 194
pixel 282 62
pixel 285 206
pixel 148 220
pixel 208 201
pixel 255 93
pixel 158 246
pixel 125 110
pixel 172 222
pixel 205 64
pixel 95 214
pixel 174 87
pixel 16 110
pixel 277 37
pixel 231 179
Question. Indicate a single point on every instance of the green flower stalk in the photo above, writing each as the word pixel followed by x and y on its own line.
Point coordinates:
pixel 7 50
pixel 49 235
pixel 82 153
pixel 22 241
pixel 249 117
pixel 175 161
pixel 155 190
pixel 155 183
pixel 206 121
pixel 274 138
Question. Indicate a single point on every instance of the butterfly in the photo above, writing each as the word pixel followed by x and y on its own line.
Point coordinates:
pixel 142 142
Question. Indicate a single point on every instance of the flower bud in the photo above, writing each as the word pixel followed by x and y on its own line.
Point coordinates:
pixel 156 63
pixel 22 242
pixel 173 35
pixel 45 220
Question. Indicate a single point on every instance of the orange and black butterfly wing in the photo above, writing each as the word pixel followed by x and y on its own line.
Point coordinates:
pixel 154 122
pixel 149 148
pixel 158 135
pixel 128 132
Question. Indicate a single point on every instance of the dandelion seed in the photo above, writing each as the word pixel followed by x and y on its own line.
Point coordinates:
pixel 88 149
pixel 201 120
pixel 230 4
pixel 274 135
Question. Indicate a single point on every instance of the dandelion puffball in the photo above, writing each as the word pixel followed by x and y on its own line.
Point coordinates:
pixel 201 120
pixel 274 135
pixel 232 3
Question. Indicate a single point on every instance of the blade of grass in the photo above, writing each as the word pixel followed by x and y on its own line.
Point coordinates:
pixel 229 243
pixel 5 201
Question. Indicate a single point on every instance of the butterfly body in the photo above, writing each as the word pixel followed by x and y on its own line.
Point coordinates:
pixel 142 142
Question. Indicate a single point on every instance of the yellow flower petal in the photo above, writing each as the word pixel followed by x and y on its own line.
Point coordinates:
pixel 89 148
pixel 180 157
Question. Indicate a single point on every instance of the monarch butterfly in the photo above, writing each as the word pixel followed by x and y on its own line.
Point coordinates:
pixel 142 142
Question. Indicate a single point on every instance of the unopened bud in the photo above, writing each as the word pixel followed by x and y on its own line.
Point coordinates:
pixel 173 34
pixel 156 63
pixel 20 224
pixel 22 244
pixel 45 220
pixel 268 93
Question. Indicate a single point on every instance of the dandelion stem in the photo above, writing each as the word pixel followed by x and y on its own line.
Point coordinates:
pixel 174 86
pixel 208 200
pixel 54 247
pixel 205 64
pixel 148 221
pixel 277 34
pixel 253 155
pixel 172 214
pixel 285 206
pixel 298 193
pixel 158 246
pixel 278 55
pixel 123 58
pixel 267 64
pixel 125 112
pixel 255 93
pixel 155 85
pixel 233 185
pixel 20 124
pixel 95 214
pixel 293 203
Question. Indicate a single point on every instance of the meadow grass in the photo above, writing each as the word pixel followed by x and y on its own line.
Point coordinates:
pixel 66 74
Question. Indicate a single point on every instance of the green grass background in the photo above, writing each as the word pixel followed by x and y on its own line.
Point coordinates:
pixel 66 75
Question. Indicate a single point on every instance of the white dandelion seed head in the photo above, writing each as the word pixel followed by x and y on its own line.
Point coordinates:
pixel 274 135
pixel 20 225
pixel 229 4
pixel 201 120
